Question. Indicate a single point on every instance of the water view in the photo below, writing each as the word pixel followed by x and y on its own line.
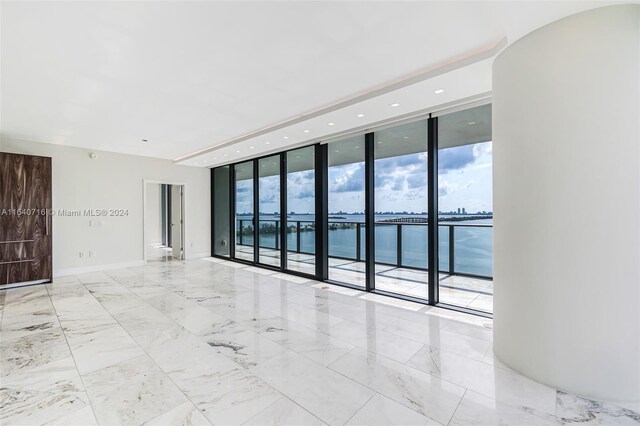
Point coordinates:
pixel 399 184
pixel 472 239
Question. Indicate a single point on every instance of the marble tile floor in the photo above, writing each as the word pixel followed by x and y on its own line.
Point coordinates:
pixel 457 290
pixel 211 342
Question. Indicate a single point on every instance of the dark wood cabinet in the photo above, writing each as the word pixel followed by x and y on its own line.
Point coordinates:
pixel 25 219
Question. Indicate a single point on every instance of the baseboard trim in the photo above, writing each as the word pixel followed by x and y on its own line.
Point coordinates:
pixel 96 268
pixel 199 255
pixel 23 284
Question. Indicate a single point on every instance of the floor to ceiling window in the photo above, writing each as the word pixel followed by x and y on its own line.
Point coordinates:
pixel 244 208
pixel 269 210
pixel 401 235
pixel 301 204
pixel 466 208
pixel 346 205
pixel 358 211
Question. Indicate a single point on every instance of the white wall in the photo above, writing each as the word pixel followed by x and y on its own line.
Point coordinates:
pixel 153 214
pixel 113 181
pixel 566 159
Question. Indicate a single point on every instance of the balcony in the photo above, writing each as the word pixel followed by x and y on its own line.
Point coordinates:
pixel 465 256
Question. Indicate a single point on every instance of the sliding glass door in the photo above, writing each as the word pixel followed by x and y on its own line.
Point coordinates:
pixel 401 234
pixel 346 206
pixel 301 205
pixel 466 208
pixel 244 209
pixel 269 221
pixel 404 210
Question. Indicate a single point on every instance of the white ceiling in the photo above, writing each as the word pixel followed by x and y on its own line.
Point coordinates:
pixel 191 75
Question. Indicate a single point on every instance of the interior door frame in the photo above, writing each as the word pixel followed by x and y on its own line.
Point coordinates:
pixel 183 227
pixel 177 213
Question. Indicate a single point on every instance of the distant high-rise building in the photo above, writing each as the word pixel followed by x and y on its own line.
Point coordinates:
pixel 458 210
pixel 464 211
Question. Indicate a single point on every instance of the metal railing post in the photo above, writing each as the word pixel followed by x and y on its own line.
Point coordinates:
pixel 358 245
pixel 298 237
pixel 277 222
pixel 452 251
pixel 399 245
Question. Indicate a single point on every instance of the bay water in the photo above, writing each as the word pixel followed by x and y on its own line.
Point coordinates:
pixel 472 240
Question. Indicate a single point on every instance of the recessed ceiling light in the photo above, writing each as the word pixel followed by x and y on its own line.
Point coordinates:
pixel 204 161
pixel 267 143
pixel 331 124
pixel 357 147
pixel 336 151
pixel 237 152
pixel 226 155
pixel 297 156
pixel 405 137
pixel 437 92
pixel 251 147
pixel 285 137
pixel 215 158
pixel 395 104
pixel 306 131
pixel 196 163
pixel 471 123
pixel 360 115
pixel 379 142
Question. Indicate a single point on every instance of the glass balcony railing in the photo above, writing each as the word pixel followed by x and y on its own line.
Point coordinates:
pixel 464 249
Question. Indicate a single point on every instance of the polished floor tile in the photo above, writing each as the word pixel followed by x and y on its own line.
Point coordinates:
pixel 573 409
pixel 476 409
pixel 383 411
pixel 131 392
pixel 103 348
pixel 328 395
pixel 496 383
pixel 216 342
pixel 418 391
pixel 284 412
pixel 185 414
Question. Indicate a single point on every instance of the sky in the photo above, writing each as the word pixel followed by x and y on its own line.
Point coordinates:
pixel 465 178
pixel 465 181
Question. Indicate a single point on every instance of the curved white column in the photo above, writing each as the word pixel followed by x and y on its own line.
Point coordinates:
pixel 566 150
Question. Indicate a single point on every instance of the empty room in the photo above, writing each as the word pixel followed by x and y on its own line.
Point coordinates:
pixel 319 212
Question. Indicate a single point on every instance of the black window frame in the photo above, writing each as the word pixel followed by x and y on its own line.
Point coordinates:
pixel 321 217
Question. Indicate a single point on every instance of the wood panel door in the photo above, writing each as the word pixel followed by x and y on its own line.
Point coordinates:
pixel 25 222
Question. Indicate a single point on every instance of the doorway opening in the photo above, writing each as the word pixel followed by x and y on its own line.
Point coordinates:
pixel 163 222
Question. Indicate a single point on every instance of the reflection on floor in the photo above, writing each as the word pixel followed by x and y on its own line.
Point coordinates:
pixel 217 342
pixel 159 253
pixel 467 292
